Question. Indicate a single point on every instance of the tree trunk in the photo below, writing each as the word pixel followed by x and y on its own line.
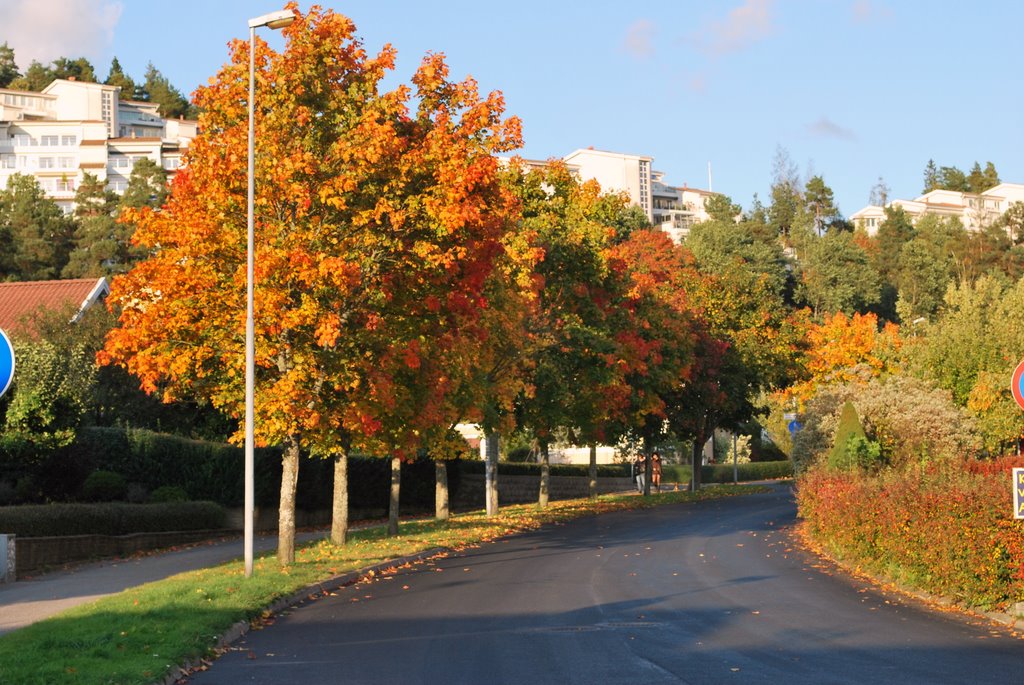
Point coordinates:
pixel 593 471
pixel 339 510
pixel 286 507
pixel 491 474
pixel 697 461
pixel 441 490
pixel 545 475
pixel 396 488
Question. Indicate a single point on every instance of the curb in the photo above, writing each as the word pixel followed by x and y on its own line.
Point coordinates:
pixel 881 583
pixel 310 592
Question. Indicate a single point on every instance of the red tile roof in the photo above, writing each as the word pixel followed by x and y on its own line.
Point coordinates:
pixel 19 299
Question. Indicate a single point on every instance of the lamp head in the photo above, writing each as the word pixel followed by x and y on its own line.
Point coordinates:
pixel 274 20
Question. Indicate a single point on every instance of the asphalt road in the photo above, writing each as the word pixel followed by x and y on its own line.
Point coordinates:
pixel 702 593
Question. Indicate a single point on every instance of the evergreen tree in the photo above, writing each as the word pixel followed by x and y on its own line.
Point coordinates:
pixel 118 78
pixel 8 67
pixel 159 90
pixel 147 185
pixel 931 177
pixel 990 175
pixel 40 234
pixel 101 244
pixel 35 78
pixel 785 194
pixel 951 178
pixel 77 69
pixel 819 203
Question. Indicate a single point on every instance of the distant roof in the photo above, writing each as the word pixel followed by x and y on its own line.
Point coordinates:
pixel 19 299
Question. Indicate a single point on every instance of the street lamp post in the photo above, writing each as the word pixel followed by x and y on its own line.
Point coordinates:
pixel 274 20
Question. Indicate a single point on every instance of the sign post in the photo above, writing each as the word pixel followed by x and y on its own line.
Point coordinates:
pixel 6 362
pixel 1018 492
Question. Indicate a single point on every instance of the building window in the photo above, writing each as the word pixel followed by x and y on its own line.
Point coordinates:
pixel 23 140
pixel 49 140
pixel 119 162
pixel 8 161
pixel 66 162
pixel 69 141
pixel 47 163
pixel 171 163
pixel 64 185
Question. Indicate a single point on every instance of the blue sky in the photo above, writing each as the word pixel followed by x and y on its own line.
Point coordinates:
pixel 850 89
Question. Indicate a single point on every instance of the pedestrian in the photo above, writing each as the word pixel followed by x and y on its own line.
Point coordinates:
pixel 640 471
pixel 656 470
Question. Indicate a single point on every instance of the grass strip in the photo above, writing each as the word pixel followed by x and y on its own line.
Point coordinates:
pixel 141 635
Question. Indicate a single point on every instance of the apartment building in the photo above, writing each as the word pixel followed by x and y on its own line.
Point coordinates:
pixel 673 209
pixel 72 127
pixel 975 210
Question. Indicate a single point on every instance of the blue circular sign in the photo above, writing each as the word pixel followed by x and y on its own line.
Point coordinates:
pixel 6 362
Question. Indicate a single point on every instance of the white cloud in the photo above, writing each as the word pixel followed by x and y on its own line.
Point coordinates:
pixel 742 27
pixel 639 41
pixel 826 128
pixel 44 30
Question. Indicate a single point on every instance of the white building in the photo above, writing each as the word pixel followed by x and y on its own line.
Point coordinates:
pixel 74 127
pixel 671 208
pixel 975 210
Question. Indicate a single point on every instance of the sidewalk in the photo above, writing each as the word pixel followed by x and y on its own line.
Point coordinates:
pixel 26 601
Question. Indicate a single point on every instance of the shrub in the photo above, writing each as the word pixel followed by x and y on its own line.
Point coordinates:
pixel 104 486
pixel 45 520
pixel 169 493
pixel 944 528
pixel 863 453
pixel 912 421
pixel 848 430
pixel 520 454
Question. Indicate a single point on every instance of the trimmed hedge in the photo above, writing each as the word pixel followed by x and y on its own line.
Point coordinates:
pixel 46 520
pixel 512 468
pixel 723 473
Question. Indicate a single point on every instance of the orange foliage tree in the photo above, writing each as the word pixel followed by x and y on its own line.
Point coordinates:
pixel 843 349
pixel 377 228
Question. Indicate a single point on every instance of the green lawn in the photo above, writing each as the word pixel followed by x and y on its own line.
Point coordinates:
pixel 145 633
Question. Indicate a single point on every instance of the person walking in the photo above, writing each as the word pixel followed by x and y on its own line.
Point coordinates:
pixel 656 471
pixel 639 472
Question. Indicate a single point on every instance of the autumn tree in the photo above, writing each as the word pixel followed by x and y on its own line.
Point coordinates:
pixel 971 350
pixel 843 349
pixel 377 227
pixel 570 360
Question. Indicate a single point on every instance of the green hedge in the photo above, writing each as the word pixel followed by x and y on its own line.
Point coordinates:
pixel 109 519
pixel 511 468
pixel 755 470
pixel 723 473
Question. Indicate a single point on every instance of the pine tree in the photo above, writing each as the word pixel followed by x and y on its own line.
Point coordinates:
pixel 117 77
pixel 8 67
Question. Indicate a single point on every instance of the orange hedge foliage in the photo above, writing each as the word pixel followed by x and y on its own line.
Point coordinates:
pixel 948 530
